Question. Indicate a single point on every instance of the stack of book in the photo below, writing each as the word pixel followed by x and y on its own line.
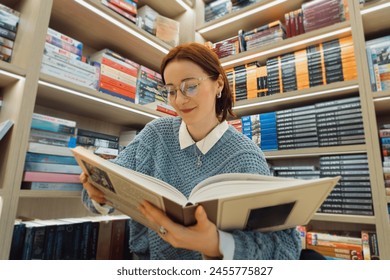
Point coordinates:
pixel 102 144
pixel 147 18
pixel 294 23
pixel 49 163
pixel 217 9
pixel 326 63
pixel 261 129
pixel 118 75
pixel 297 128
pixel 148 83
pixel 268 135
pixel 167 30
pixel 352 194
pixel 9 21
pixel 247 81
pixel 384 138
pixel 341 245
pixel 261 36
pixel 251 128
pixel 126 8
pixel 378 57
pixel 305 172
pixel 88 238
pixel 239 4
pixel 63 59
pixel 340 122
pixel 335 246
pixel 225 48
pixel 321 13
pixel 237 124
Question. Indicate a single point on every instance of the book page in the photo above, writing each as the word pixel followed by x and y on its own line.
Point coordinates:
pixel 124 189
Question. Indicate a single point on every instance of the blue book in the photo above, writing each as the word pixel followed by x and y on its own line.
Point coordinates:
pixel 51 126
pixel 46 158
pixel 16 252
pixel 385 140
pixel 117 95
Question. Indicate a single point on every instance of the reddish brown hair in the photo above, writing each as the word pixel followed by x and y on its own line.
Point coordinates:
pixel 209 62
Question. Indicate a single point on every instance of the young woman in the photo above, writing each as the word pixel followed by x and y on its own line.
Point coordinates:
pixel 187 149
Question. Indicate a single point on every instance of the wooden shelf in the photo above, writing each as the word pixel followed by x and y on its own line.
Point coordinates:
pixel 296 98
pixel 345 218
pixel 61 95
pixel 10 73
pixel 105 34
pixel 167 8
pixel 375 22
pixel 296 43
pixel 381 101
pixel 315 152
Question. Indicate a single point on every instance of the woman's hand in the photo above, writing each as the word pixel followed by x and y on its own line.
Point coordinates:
pixel 94 193
pixel 202 237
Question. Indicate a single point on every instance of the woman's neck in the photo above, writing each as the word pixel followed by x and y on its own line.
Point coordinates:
pixel 200 131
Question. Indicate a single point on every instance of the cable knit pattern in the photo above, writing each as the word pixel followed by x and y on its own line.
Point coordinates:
pixel 156 152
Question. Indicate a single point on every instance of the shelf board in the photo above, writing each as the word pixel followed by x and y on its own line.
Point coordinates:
pixel 49 194
pixel 295 98
pixel 352 219
pixel 372 26
pixel 10 73
pixel 315 152
pixel 62 95
pixel 105 34
pixel 255 19
pixel 335 31
pixel 381 101
pixel 167 8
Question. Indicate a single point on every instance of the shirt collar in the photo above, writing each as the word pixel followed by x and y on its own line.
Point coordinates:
pixel 206 143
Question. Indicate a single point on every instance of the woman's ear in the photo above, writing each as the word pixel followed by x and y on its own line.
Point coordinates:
pixel 220 83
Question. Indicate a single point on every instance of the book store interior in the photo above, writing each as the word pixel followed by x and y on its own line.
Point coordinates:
pixel 310 84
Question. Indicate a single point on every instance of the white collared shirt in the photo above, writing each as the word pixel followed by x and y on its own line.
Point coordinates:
pixel 206 143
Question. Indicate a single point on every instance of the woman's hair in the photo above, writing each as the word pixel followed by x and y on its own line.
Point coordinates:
pixel 209 62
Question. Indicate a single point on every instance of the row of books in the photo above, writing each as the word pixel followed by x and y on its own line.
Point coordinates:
pixel 87 238
pixel 378 58
pixel 310 16
pixel 320 64
pixel 105 71
pixel 352 194
pixel 9 22
pixel 384 140
pixel 218 8
pixel 343 245
pixel 164 28
pixel 49 163
pixel 330 123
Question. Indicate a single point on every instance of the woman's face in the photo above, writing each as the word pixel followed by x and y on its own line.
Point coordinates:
pixel 198 107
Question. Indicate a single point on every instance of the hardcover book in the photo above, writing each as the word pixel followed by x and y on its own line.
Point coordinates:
pixel 232 201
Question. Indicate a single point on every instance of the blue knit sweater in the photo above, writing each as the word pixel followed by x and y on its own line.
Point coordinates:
pixel 156 152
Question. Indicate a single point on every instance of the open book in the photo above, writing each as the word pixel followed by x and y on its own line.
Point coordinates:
pixel 231 201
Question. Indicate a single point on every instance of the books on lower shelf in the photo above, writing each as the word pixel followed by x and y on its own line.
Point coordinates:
pixel 5 126
pixel 286 202
pixel 86 238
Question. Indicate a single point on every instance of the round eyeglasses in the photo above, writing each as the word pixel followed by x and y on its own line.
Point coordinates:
pixel 188 87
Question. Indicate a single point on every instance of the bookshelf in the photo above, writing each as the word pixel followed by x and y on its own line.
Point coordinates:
pixel 25 90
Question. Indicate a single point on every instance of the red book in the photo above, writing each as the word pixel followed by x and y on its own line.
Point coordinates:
pixel 32 176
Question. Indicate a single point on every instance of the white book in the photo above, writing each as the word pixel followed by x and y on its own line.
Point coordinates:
pixel 4 127
pixel 54 119
pixel 231 201
pixel 48 149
